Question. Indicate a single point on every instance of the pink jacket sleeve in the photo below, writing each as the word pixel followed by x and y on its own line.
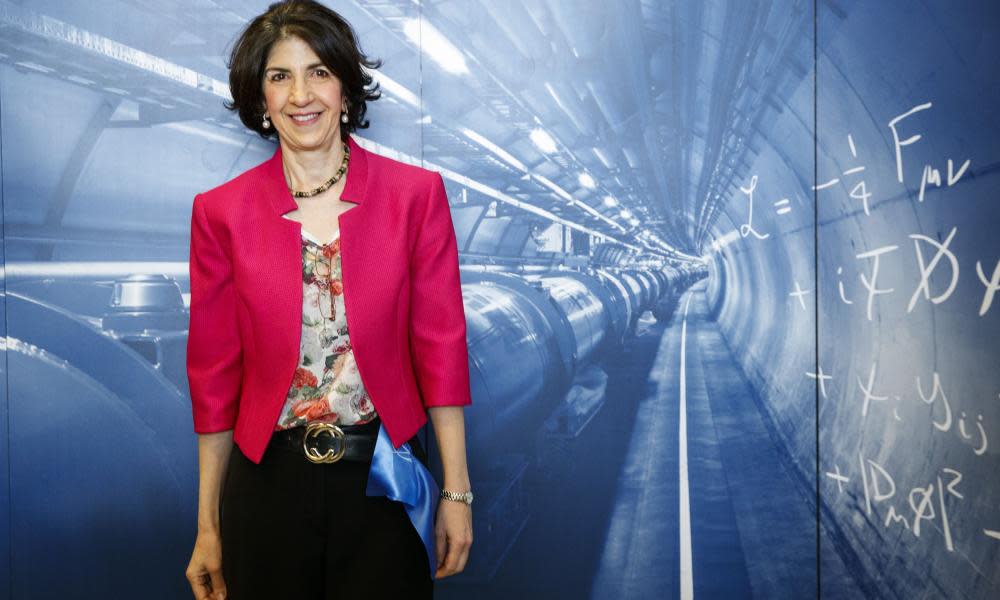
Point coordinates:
pixel 437 315
pixel 214 352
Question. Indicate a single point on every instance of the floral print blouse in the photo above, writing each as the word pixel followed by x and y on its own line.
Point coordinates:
pixel 326 386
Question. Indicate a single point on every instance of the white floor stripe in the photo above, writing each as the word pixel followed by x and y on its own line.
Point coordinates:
pixel 687 571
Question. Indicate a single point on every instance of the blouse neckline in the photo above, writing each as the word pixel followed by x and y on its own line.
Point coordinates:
pixel 313 238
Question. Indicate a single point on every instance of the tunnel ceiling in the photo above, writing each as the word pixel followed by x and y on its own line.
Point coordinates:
pixel 665 135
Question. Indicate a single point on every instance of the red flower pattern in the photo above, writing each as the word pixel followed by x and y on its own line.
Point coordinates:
pixel 303 377
pixel 320 385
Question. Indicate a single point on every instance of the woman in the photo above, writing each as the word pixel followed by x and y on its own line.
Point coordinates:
pixel 326 323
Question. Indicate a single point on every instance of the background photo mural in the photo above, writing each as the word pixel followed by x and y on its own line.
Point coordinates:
pixel 729 271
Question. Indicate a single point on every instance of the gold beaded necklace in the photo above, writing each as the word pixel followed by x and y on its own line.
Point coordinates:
pixel 329 182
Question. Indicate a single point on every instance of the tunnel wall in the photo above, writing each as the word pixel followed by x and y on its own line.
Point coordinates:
pixel 908 409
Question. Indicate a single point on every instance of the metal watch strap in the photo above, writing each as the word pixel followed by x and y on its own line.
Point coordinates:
pixel 465 497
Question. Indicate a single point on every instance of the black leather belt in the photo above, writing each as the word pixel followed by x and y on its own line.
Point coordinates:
pixel 328 443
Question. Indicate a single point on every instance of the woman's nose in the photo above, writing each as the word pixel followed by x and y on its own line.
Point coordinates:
pixel 300 92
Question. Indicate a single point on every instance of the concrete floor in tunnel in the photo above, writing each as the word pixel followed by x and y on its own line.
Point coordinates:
pixel 606 521
pixel 748 530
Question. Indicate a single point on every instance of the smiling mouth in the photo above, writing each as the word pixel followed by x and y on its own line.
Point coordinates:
pixel 307 118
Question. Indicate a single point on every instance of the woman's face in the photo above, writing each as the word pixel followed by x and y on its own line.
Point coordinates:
pixel 303 97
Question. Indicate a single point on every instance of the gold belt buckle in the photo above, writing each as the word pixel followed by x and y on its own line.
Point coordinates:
pixel 313 430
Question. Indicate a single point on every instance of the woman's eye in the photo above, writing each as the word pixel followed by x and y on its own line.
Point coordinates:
pixel 322 72
pixel 277 76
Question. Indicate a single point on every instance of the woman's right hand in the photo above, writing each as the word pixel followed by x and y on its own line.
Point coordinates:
pixel 204 572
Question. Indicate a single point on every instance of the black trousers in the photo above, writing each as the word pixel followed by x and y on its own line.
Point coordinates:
pixel 303 531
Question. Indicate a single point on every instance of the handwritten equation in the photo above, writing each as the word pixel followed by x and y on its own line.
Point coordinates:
pixel 912 508
pixel 870 283
pixel 943 261
pixel 942 415
pixel 853 178
pixel 933 258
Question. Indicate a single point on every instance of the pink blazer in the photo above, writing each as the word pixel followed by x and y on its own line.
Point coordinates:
pixel 402 294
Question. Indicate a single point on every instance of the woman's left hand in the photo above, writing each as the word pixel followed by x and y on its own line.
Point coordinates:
pixel 453 536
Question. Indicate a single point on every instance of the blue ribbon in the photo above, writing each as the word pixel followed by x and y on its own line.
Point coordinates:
pixel 399 475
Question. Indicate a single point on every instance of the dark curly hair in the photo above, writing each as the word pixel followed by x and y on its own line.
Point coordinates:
pixel 332 39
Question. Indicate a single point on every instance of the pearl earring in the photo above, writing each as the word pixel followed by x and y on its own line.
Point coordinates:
pixel 343 117
pixel 266 123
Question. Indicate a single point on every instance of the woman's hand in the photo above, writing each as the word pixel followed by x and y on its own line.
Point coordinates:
pixel 453 524
pixel 453 536
pixel 204 572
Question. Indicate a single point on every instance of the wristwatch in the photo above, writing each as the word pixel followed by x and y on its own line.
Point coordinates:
pixel 465 497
